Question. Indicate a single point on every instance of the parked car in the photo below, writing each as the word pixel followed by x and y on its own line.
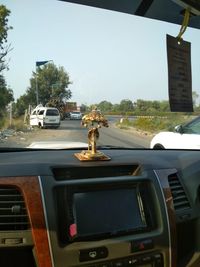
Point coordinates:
pixel 186 136
pixel 44 117
pixel 75 115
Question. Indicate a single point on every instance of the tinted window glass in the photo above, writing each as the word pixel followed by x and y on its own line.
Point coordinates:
pixel 41 112
pixel 52 112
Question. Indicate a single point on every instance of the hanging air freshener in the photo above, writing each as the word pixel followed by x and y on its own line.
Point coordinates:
pixel 179 71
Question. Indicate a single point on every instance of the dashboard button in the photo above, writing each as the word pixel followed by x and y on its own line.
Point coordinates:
pixel 146 259
pixel 158 260
pixel 118 263
pixel 141 245
pixel 93 254
pixel 131 262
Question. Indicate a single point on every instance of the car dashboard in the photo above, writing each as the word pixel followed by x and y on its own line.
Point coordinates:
pixel 141 208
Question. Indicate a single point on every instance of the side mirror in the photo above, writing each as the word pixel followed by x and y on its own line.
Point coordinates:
pixel 179 129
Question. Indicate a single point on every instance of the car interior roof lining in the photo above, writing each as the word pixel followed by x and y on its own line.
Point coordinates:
pixel 165 10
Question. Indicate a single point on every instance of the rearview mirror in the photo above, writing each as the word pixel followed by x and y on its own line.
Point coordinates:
pixel 179 129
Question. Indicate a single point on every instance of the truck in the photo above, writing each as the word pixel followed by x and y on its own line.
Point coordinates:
pixel 70 107
pixel 64 107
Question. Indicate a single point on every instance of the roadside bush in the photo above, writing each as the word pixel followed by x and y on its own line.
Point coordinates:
pixel 17 124
pixel 147 124
pixel 2 122
pixel 155 124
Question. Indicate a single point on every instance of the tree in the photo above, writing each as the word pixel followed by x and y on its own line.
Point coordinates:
pixel 164 106
pixel 83 108
pixel 126 105
pixel 105 106
pixel 147 106
pixel 21 105
pixel 52 82
pixel 142 105
pixel 6 96
pixel 116 108
pixel 4 49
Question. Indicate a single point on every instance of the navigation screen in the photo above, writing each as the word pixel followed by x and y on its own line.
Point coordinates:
pixel 107 212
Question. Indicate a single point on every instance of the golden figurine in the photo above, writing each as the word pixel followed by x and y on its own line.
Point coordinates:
pixel 93 121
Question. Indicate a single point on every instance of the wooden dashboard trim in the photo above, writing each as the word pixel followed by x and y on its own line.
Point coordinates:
pixel 30 188
pixel 163 178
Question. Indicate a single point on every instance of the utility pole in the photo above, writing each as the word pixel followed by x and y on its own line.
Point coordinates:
pixel 10 114
pixel 38 64
pixel 36 87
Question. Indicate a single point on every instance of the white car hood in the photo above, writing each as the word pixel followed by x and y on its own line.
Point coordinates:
pixel 57 145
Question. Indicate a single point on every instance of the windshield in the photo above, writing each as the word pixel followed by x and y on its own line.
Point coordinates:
pixel 83 60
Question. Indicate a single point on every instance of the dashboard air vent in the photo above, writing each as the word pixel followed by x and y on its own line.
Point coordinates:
pixel 180 199
pixel 13 215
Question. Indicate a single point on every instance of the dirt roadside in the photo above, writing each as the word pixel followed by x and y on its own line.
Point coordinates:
pixel 25 138
pixel 137 132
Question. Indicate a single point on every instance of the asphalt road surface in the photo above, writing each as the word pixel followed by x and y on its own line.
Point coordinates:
pixel 111 136
pixel 71 130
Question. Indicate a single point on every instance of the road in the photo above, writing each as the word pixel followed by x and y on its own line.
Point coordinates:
pixel 108 136
pixel 71 130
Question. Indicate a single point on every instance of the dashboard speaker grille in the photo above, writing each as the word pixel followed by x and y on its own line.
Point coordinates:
pixel 180 199
pixel 94 172
pixel 13 214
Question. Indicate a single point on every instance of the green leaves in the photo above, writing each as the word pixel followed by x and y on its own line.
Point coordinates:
pixel 6 96
pixel 51 82
pixel 4 49
pixel 4 14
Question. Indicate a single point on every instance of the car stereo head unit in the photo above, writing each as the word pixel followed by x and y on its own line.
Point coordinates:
pixel 91 212
pixel 106 212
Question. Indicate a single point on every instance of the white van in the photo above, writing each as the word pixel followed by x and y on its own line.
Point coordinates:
pixel 44 117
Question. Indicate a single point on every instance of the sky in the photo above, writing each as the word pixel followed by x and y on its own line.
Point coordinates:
pixel 108 55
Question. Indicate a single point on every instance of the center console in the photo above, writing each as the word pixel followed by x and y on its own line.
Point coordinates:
pixel 106 221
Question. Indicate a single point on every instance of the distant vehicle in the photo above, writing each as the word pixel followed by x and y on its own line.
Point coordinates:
pixel 44 117
pixel 75 115
pixel 70 107
pixel 185 136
